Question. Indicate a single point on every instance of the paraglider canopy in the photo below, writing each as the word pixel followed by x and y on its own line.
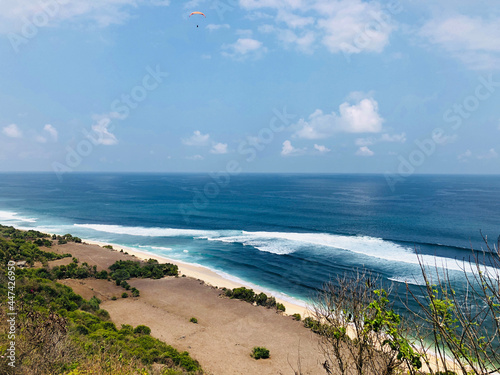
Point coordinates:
pixel 198 13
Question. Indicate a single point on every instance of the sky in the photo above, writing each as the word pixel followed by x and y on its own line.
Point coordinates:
pixel 319 86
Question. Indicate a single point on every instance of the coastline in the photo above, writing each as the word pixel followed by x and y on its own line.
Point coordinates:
pixel 211 277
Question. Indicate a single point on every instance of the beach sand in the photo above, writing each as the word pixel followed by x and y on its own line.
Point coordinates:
pixel 227 329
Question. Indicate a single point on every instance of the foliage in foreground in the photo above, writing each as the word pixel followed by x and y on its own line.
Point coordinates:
pixel 59 332
pixel 360 332
pixel 465 324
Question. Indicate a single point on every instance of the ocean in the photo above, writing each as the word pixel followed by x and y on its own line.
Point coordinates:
pixel 288 234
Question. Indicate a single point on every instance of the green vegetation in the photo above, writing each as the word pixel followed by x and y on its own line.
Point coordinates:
pixel 297 317
pixel 260 352
pixel 125 269
pixel 250 296
pixel 124 295
pixel 193 320
pixel 17 246
pixel 59 332
pixel 65 239
pixel 108 247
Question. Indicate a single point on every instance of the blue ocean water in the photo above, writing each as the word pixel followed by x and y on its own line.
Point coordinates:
pixel 285 233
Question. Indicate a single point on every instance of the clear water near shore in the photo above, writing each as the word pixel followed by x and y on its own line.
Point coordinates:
pixel 286 233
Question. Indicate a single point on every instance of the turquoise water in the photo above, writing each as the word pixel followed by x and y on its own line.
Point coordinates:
pixel 285 233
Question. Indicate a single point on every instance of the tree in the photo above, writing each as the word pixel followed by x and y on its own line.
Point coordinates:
pixel 462 324
pixel 360 332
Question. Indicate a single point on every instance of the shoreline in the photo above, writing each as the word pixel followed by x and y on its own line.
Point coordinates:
pixel 211 277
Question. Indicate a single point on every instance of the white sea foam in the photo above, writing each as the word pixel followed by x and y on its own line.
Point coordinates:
pixel 146 232
pixel 155 247
pixel 410 280
pixel 282 243
pixel 8 216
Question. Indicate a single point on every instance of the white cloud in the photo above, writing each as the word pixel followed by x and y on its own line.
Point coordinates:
pixel 40 139
pixel 243 48
pixel 219 148
pixel 491 154
pixel 364 151
pixel 52 132
pixel 473 40
pixel 303 42
pixel 442 139
pixel 104 135
pixel 400 138
pixel 213 27
pixel 293 20
pixel 195 157
pixel 466 155
pixel 365 141
pixel 12 131
pixel 360 117
pixel 197 139
pixel 321 149
pixel 14 13
pixel 245 33
pixel 342 26
pixel 289 150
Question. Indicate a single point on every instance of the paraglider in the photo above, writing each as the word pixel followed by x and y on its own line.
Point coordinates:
pixel 200 13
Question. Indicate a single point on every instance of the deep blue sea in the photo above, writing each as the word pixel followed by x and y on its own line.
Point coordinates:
pixel 286 233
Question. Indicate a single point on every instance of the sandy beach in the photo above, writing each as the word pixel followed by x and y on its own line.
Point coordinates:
pixel 227 329
pixel 208 276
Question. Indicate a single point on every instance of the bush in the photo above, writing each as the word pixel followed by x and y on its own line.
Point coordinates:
pixel 108 247
pixel 296 317
pixel 142 330
pixel 124 295
pixel 260 352
pixel 243 294
pixel 261 299
pixel 280 307
pixel 135 292
pixel 193 320
pixel 113 298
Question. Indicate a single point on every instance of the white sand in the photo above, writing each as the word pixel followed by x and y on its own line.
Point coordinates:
pixel 210 277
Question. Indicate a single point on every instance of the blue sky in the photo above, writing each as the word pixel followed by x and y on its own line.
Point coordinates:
pixel 396 87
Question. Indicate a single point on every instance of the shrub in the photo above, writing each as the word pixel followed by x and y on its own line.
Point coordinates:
pixel 124 295
pixel 296 317
pixel 260 352
pixel 108 247
pixel 81 329
pixel 142 330
pixel 244 294
pixel 135 292
pixel 261 299
pixel 193 320
pixel 271 302
pixel 113 298
pixel 280 307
